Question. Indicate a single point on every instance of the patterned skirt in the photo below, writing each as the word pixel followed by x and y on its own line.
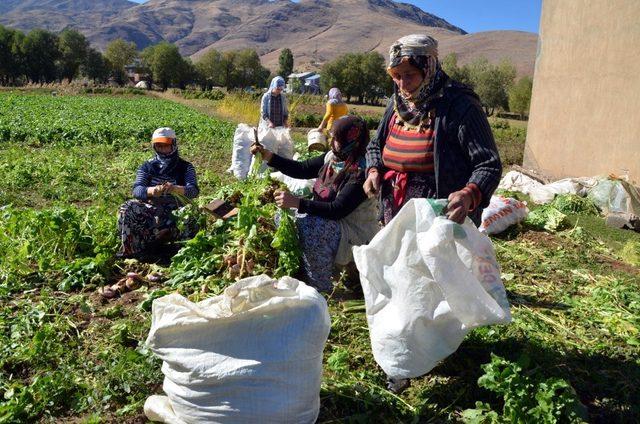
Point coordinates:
pixel 319 240
pixel 417 186
pixel 144 225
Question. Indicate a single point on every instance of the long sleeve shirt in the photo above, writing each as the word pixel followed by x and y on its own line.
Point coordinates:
pixel 348 198
pixel 464 149
pixel 150 174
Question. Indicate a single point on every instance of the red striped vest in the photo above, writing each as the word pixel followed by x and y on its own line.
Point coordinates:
pixel 408 149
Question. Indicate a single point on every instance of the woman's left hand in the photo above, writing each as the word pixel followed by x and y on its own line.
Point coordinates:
pixel 286 200
pixel 459 204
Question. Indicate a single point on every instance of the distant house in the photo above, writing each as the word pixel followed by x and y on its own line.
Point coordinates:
pixel 136 72
pixel 303 82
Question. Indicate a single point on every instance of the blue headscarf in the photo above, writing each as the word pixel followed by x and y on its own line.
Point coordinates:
pixel 276 82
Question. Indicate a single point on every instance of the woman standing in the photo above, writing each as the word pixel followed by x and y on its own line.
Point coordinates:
pixel 434 140
pixel 336 108
pixel 274 110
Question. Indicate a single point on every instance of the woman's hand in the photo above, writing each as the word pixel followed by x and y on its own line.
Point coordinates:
pixel 459 204
pixel 259 148
pixel 270 123
pixel 286 200
pixel 155 191
pixel 372 184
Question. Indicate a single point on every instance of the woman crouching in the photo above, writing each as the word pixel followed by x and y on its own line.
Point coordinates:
pixel 339 215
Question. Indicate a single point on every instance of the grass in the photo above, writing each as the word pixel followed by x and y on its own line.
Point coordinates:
pixel 66 355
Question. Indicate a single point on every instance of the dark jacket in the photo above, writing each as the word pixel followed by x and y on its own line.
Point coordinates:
pixel 464 148
pixel 151 173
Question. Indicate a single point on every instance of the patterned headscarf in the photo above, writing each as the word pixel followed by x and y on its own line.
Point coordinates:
pixel 276 82
pixel 348 145
pixel 421 52
pixel 335 96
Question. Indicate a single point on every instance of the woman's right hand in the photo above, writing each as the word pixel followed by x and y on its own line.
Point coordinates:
pixel 372 183
pixel 258 148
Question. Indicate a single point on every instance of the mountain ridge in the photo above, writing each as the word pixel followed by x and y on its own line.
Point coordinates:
pixel 316 31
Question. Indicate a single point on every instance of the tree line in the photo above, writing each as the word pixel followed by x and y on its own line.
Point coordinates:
pixel 41 56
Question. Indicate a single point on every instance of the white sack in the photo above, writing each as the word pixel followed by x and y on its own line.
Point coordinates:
pixel 251 355
pixel 277 140
pixel 427 282
pixel 517 181
pixel 296 186
pixel 578 186
pixel 241 156
pixel 502 213
pixel 610 196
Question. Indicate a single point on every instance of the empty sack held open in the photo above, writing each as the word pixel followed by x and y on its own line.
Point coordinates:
pixel 427 282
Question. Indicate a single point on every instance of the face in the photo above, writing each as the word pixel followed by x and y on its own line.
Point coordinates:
pixel 277 90
pixel 406 76
pixel 162 148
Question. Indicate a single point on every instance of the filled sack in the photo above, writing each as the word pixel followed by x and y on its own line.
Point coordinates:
pixel 250 355
pixel 502 213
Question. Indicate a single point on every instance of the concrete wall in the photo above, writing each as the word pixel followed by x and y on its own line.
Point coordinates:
pixel 585 108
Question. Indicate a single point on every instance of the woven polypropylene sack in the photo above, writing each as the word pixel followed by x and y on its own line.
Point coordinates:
pixel 427 282
pixel 251 355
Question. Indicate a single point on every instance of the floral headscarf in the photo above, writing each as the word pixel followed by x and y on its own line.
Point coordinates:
pixel 420 51
pixel 335 96
pixel 348 145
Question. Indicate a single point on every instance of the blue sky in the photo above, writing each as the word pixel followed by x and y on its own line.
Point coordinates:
pixel 482 15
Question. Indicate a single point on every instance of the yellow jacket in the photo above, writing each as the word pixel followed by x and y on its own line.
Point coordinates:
pixel 334 111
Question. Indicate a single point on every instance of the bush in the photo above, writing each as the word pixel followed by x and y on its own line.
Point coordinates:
pixel 306 120
pixel 196 94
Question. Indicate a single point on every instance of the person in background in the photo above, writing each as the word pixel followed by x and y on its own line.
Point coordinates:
pixel 147 221
pixel 339 215
pixel 434 141
pixel 274 110
pixel 336 108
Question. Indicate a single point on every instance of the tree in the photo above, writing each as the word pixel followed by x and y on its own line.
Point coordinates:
pixel 166 64
pixel 360 75
pixel 249 70
pixel 285 62
pixel 11 55
pixel 40 49
pixel 95 66
pixel 492 83
pixel 119 54
pixel 451 68
pixel 229 73
pixel 73 53
pixel 210 69
pixel 520 96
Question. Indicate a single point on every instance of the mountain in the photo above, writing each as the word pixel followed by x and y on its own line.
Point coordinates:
pixel 55 15
pixel 315 30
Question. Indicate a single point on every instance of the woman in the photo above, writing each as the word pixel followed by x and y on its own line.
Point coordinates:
pixel 434 141
pixel 336 108
pixel 339 215
pixel 147 221
pixel 274 110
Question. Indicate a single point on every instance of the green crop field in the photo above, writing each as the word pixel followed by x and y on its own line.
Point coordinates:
pixel 571 353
